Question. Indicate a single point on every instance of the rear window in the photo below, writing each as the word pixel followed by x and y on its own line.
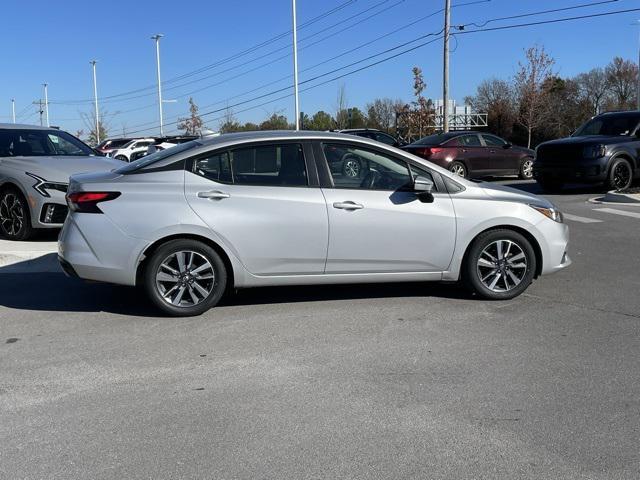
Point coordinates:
pixel 436 139
pixel 156 157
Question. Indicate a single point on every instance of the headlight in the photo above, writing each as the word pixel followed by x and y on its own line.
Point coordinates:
pixel 41 186
pixel 552 213
pixel 594 151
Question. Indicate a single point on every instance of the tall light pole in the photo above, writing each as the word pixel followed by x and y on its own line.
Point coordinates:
pixel 157 38
pixel 13 109
pixel 95 100
pixel 445 68
pixel 46 103
pixel 295 64
pixel 638 85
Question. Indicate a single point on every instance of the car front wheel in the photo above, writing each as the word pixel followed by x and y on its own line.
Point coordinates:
pixel 620 174
pixel 15 220
pixel 185 277
pixel 500 265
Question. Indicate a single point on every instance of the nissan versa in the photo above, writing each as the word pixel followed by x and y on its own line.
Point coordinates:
pixel 265 208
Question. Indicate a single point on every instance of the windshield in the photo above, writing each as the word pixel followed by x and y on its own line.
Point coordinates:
pixel 609 125
pixel 41 143
pixel 156 157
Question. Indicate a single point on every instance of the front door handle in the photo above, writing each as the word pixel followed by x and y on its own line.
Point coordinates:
pixel 348 205
pixel 213 195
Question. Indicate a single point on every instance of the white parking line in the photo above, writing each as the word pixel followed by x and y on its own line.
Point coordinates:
pixel 576 218
pixel 618 212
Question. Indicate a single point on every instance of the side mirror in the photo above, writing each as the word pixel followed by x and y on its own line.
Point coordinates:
pixel 422 185
pixel 507 145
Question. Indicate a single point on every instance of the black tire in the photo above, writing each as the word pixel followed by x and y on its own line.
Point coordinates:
pixel 15 216
pixel 185 306
pixel 620 174
pixel 550 185
pixel 122 158
pixel 473 273
pixel 526 169
pixel 459 168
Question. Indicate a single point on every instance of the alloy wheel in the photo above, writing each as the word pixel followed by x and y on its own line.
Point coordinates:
pixel 458 169
pixel 621 176
pixel 351 168
pixel 502 265
pixel 185 279
pixel 527 168
pixel 11 214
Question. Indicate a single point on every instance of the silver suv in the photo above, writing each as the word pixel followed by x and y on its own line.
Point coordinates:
pixel 35 165
pixel 266 208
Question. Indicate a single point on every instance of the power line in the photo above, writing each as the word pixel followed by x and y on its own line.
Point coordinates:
pixel 413 48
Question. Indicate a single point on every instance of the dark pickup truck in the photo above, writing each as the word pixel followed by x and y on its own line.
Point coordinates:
pixel 606 150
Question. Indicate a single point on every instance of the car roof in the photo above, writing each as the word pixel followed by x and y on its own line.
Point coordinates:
pixel 274 135
pixel 21 126
pixel 621 113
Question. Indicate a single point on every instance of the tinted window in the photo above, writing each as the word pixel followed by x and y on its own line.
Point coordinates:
pixel 384 138
pixel 40 143
pixel 493 141
pixel 469 141
pixel 435 139
pixel 609 125
pixel 216 167
pixel 357 168
pixel 276 165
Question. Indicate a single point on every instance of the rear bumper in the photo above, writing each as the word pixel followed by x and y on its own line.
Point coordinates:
pixel 587 171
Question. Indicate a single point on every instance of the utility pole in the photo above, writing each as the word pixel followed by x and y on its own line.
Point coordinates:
pixel 46 103
pixel 95 100
pixel 295 64
pixel 638 85
pixel 157 38
pixel 13 109
pixel 445 69
pixel 40 110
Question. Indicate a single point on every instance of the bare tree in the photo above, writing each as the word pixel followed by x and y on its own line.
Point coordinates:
pixel 89 120
pixel 593 87
pixel 622 76
pixel 193 124
pixel 342 107
pixel 496 97
pixel 381 113
pixel 229 122
pixel 528 82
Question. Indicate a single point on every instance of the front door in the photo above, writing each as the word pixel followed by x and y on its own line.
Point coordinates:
pixel 377 225
pixel 501 159
pixel 259 202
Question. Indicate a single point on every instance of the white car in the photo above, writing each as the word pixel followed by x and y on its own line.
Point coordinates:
pixel 265 208
pixel 124 153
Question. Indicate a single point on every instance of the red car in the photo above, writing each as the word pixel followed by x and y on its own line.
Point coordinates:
pixel 472 154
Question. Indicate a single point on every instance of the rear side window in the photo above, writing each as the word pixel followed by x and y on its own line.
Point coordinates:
pixel 266 165
pixel 384 138
pixel 469 141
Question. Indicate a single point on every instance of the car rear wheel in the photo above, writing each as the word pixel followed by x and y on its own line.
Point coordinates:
pixel 459 169
pixel 185 278
pixel 526 169
pixel 620 174
pixel 351 167
pixel 122 158
pixel 500 265
pixel 15 219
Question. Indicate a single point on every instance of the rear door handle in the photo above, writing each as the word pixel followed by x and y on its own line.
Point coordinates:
pixel 213 195
pixel 348 205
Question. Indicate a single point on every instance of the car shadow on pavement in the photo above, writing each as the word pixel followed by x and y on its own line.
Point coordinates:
pixel 53 291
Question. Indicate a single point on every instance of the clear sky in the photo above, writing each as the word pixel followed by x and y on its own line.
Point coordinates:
pixel 41 41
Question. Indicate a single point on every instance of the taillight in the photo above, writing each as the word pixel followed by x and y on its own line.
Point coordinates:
pixel 87 202
pixel 426 152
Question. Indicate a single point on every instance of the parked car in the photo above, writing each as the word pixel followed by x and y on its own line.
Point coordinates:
pixel 264 208
pixel 107 146
pixel 161 143
pixel 35 165
pixel 606 149
pixel 373 134
pixel 470 154
pixel 124 153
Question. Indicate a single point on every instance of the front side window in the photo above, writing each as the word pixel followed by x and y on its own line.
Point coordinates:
pixel 266 165
pixel 609 125
pixel 38 143
pixel 493 141
pixel 356 168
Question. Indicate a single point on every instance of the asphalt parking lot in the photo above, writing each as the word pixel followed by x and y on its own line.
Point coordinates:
pixel 375 381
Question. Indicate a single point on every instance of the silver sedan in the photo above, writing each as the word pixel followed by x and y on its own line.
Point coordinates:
pixel 277 208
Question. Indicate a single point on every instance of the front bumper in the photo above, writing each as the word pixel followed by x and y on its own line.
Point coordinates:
pixel 587 171
pixel 555 247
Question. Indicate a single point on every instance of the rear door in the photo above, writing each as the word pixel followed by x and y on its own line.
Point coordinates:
pixel 264 201
pixel 377 224
pixel 473 154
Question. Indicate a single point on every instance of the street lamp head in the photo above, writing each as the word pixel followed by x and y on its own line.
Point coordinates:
pixel 157 36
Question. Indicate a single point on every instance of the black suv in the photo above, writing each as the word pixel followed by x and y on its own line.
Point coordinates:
pixel 606 150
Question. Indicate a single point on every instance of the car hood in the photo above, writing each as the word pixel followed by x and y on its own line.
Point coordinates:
pixel 588 140
pixel 508 194
pixel 59 169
